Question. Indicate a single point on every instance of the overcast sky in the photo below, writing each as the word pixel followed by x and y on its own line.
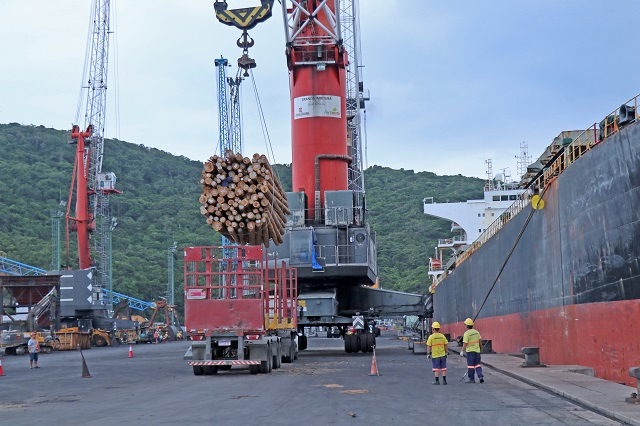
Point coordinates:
pixel 452 83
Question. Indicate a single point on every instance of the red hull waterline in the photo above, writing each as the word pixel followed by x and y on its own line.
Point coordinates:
pixel 601 335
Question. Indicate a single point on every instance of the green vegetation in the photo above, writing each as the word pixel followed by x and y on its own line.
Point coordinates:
pixel 159 205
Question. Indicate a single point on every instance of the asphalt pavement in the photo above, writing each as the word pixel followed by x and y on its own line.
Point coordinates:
pixel 325 386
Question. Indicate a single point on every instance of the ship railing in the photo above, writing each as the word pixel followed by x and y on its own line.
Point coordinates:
pixel 523 200
pixel 451 241
pixel 626 114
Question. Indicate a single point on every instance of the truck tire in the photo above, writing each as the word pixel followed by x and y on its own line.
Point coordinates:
pixel 264 366
pixel 369 340
pixel 277 356
pixel 254 369
pixel 302 343
pixel 198 370
pixel 210 370
pixel 288 358
pixel 349 343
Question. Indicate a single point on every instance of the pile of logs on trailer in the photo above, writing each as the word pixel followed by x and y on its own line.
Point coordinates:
pixel 241 309
pixel 243 200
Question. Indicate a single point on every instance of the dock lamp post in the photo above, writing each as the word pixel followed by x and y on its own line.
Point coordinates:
pixel 170 284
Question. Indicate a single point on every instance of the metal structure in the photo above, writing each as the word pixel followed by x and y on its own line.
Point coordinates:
pixel 356 96
pixel 56 216
pixel 134 303
pixel 171 253
pixel 327 236
pixel 252 326
pixel 93 186
pixel 12 267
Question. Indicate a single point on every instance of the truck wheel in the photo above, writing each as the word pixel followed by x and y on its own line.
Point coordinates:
pixel 210 369
pixel 254 369
pixel 288 358
pixel 329 334
pixel 198 370
pixel 266 366
pixel 277 356
pixel 369 340
pixel 350 343
pixel 302 343
pixel 376 331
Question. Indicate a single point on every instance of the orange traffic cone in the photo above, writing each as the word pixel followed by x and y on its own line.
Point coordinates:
pixel 1 373
pixel 85 370
pixel 130 352
pixel 374 364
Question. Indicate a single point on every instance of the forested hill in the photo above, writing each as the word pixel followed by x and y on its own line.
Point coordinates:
pixel 159 205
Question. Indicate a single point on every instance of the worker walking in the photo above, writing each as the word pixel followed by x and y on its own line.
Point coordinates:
pixel 471 341
pixel 437 350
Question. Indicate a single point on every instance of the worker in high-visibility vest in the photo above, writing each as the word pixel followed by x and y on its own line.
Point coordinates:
pixel 437 350
pixel 471 347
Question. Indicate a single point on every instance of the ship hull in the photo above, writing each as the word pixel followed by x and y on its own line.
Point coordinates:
pixel 572 284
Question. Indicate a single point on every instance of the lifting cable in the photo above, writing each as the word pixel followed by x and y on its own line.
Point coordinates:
pixel 544 189
pixel 265 135
pixel 513 247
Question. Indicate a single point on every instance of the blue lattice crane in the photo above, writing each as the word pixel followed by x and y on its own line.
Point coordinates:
pixel 229 124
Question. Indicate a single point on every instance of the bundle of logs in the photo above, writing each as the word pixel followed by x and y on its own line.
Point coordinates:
pixel 243 200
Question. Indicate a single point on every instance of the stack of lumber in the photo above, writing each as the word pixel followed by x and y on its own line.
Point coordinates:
pixel 243 200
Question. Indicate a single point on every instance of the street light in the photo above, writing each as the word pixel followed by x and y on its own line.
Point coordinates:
pixel 170 284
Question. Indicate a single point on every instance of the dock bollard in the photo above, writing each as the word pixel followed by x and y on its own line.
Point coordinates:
pixel 531 357
pixel 635 397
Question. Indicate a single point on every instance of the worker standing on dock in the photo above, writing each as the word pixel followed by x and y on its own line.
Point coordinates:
pixel 437 351
pixel 471 347
pixel 34 348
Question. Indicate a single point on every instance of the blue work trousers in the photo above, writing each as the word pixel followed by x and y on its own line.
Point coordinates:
pixel 473 365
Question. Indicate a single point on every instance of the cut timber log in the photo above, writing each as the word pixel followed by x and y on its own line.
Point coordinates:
pixel 243 199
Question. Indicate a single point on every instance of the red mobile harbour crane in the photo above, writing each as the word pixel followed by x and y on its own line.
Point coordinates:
pixel 240 309
pixel 81 294
pixel 327 238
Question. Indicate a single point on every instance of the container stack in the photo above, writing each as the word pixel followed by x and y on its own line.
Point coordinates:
pixel 243 199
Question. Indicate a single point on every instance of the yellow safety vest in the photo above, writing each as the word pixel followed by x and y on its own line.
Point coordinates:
pixel 438 344
pixel 472 339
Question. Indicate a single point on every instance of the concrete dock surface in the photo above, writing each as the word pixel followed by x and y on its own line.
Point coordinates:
pixel 574 382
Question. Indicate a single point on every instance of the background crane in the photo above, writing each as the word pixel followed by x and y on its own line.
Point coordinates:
pixel 93 186
pixel 229 116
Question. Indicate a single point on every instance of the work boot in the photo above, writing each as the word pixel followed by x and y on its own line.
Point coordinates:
pixel 435 383
pixel 482 380
pixel 471 381
pixel 444 380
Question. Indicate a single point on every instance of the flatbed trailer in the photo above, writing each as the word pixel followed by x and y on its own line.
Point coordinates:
pixel 241 309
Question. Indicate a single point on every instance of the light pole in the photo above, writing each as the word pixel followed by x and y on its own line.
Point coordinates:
pixel 112 226
pixel 170 290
